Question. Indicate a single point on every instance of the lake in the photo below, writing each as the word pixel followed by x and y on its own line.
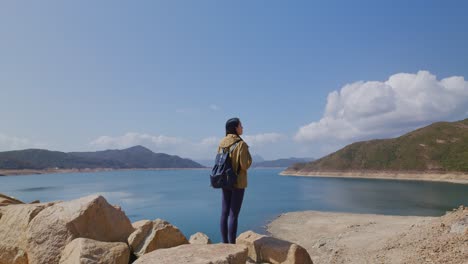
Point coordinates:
pixel 185 199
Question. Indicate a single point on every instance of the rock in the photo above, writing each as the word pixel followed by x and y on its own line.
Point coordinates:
pixel 152 235
pixel 197 254
pixel 12 255
pixel 88 217
pixel 7 200
pixel 84 250
pixel 272 250
pixel 460 226
pixel 14 223
pixel 139 224
pixel 320 244
pixel 139 237
pixel 199 239
pixel 250 261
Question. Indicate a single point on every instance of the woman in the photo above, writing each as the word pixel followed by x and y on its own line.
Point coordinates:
pixel 241 161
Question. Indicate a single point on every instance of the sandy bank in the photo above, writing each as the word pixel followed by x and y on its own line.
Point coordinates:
pixel 461 178
pixel 368 238
pixel 49 171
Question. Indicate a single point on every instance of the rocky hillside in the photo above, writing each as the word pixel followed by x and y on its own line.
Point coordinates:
pixel 439 147
pixel 134 157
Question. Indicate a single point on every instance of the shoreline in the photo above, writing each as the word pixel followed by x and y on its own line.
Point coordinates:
pixel 329 236
pixel 458 178
pixel 333 237
pixel 28 172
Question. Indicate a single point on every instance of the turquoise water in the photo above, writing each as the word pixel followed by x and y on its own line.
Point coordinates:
pixel 184 197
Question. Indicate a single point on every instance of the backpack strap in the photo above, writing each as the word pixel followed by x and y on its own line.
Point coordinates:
pixel 232 147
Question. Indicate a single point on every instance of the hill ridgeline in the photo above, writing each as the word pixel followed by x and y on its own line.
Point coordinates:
pixel 130 158
pixel 439 148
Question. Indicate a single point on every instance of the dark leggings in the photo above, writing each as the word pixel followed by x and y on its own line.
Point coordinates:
pixel 232 202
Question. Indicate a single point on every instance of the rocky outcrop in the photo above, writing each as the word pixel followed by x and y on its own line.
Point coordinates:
pixel 151 235
pixel 197 254
pixel 88 217
pixel 84 250
pixel 89 230
pixel 199 239
pixel 7 200
pixel 263 248
pixel 14 221
pixel 458 221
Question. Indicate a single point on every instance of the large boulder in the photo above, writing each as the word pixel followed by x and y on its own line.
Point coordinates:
pixel 7 200
pixel 88 217
pixel 14 221
pixel 273 250
pixel 89 251
pixel 13 255
pixel 152 235
pixel 199 239
pixel 197 254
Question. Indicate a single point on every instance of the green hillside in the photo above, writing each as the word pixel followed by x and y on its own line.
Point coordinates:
pixel 134 157
pixel 139 157
pixel 439 147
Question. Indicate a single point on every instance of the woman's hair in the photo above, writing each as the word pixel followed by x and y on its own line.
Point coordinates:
pixel 231 126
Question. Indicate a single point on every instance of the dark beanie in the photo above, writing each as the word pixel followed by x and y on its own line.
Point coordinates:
pixel 231 125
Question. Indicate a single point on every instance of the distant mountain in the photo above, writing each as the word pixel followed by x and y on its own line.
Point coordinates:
pixel 207 163
pixel 280 162
pixel 439 147
pixel 257 158
pixel 134 157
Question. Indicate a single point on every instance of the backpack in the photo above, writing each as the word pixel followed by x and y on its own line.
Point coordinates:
pixel 223 175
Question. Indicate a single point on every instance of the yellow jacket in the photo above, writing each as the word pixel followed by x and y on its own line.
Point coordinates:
pixel 240 158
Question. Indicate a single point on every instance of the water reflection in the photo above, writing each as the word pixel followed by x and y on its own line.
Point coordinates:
pixel 386 196
pixel 185 199
pixel 40 189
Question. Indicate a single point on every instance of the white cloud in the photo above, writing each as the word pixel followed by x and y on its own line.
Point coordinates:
pixel 214 107
pixel 210 141
pixel 131 139
pixel 261 139
pixel 157 143
pixel 16 143
pixel 373 109
pixel 205 148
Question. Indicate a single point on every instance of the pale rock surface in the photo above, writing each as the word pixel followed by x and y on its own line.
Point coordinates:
pixel 197 254
pixel 200 239
pixel 151 235
pixel 273 250
pixel 7 200
pixel 88 217
pixel 14 221
pixel 89 251
pixel 367 238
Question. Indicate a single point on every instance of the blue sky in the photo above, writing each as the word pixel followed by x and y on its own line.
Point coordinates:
pixel 305 77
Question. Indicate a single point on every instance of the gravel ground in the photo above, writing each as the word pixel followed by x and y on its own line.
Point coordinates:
pixel 368 238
